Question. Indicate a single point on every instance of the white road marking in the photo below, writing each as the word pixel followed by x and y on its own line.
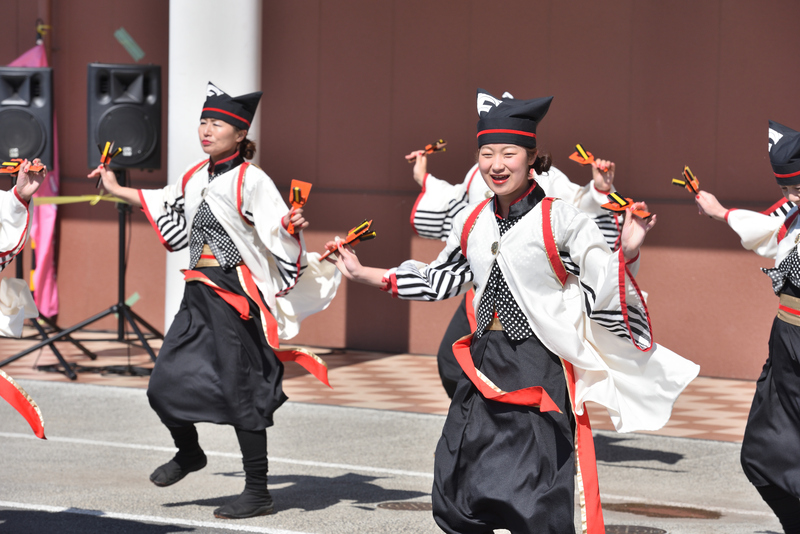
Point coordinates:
pixel 146 518
pixel 272 459
pixel 350 467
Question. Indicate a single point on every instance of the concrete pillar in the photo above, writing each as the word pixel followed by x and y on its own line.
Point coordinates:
pixel 209 40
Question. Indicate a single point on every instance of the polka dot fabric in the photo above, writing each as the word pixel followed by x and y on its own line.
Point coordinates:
pixel 787 270
pixel 497 297
pixel 207 229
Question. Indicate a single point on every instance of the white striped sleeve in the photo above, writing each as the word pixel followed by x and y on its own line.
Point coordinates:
pixel 447 276
pixel 436 206
pixel 618 308
pixel 164 209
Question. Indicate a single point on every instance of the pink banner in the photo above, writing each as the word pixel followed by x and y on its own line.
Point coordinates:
pixel 43 224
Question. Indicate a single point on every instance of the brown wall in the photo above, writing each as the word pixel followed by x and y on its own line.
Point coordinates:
pixel 351 86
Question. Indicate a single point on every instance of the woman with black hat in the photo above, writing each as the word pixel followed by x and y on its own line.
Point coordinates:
pixel 769 448
pixel 560 321
pixel 439 202
pixel 220 361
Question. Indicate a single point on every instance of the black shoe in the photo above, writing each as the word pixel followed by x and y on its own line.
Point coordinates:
pixel 171 472
pixel 246 505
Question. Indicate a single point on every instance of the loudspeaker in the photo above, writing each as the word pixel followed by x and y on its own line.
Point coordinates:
pixel 26 113
pixel 124 106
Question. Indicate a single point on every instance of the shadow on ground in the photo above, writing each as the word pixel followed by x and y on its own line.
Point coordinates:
pixel 608 449
pixel 77 522
pixel 310 493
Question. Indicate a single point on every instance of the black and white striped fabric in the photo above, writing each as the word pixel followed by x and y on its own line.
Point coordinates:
pixel 497 297
pixel 610 225
pixel 781 211
pixel 172 225
pixel 440 281
pixel 612 320
pixel 438 224
pixel 289 272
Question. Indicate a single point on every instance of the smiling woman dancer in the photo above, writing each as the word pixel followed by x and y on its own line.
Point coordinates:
pixel 555 329
pixel 772 434
pixel 220 362
pixel 439 202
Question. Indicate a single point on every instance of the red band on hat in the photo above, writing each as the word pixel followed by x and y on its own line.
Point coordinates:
pixel 518 132
pixel 787 175
pixel 228 113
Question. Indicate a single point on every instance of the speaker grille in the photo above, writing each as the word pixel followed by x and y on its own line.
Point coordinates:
pixel 22 135
pixel 132 129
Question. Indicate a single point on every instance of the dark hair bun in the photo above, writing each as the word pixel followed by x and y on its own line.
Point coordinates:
pixel 543 162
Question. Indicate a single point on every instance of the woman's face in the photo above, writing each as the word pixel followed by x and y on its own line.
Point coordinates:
pixel 791 192
pixel 505 169
pixel 218 138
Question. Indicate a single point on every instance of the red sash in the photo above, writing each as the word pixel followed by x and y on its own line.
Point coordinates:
pixel 585 459
pixel 19 399
pixel 305 358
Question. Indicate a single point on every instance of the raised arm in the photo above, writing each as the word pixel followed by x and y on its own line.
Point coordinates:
pixel 110 184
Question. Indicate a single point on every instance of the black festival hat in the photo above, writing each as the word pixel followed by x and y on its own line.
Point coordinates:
pixel 236 110
pixel 506 120
pixel 784 153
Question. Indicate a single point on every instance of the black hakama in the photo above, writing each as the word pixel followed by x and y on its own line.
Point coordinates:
pixel 772 436
pixel 213 366
pixel 500 465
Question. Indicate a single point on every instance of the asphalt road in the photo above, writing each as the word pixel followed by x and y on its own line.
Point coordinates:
pixel 332 470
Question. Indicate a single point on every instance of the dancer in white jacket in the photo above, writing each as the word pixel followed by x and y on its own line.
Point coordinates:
pixel 560 321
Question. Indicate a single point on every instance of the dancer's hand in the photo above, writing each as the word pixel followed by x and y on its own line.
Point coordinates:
pixel 420 165
pixel 28 182
pixel 634 229
pixel 109 179
pixel 344 257
pixel 347 262
pixel 295 217
pixel 707 204
pixel 603 180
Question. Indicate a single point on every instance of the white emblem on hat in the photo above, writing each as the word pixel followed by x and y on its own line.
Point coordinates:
pixel 213 90
pixel 487 102
pixel 774 137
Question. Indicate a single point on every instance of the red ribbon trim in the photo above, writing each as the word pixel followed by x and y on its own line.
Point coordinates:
pixel 785 227
pixel 313 365
pixel 624 270
pixel 469 223
pixel 586 461
pixel 11 393
pixel 534 396
pixel 517 132
pixel 238 302
pixel 550 242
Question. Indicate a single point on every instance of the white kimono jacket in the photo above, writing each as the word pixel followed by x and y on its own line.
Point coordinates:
pixel 16 301
pixel 439 202
pixel 592 321
pixel 768 234
pixel 251 216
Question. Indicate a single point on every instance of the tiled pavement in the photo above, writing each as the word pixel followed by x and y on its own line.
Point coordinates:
pixel 710 408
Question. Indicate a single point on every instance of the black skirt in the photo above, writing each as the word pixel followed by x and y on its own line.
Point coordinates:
pixel 772 436
pixel 449 370
pixel 213 366
pixel 500 465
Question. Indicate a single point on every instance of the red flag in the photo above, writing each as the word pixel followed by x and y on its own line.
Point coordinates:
pixel 43 222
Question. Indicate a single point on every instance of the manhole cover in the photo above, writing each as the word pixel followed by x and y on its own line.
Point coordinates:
pixel 407 506
pixel 632 529
pixel 660 510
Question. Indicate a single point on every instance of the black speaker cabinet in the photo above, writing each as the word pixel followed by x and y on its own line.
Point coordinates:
pixel 124 106
pixel 26 113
